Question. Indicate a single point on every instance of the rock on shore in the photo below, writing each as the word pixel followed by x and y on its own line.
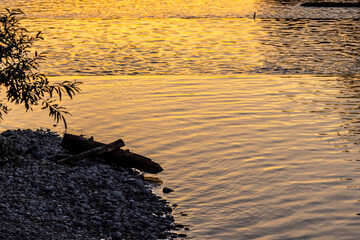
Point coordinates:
pixel 41 199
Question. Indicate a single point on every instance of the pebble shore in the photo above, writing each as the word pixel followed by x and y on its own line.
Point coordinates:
pixel 42 199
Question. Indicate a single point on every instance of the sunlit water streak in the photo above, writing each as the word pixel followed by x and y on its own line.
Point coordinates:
pixel 110 9
pixel 250 157
pixel 199 46
pixel 193 37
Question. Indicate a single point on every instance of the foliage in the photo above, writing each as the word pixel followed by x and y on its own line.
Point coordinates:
pixel 18 71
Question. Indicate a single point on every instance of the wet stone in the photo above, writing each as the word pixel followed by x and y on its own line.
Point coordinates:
pixel 179 225
pixel 167 190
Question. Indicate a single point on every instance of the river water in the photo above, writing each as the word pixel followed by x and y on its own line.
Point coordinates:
pixel 255 121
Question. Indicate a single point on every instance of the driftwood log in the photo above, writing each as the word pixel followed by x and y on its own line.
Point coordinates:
pixel 95 151
pixel 81 147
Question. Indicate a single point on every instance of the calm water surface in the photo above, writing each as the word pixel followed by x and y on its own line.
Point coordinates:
pixel 250 157
pixel 192 37
pixel 250 154
pixel 200 46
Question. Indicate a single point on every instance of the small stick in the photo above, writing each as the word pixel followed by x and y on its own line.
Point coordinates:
pixel 95 151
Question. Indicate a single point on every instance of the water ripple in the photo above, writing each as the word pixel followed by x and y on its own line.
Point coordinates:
pixel 250 157
pixel 198 46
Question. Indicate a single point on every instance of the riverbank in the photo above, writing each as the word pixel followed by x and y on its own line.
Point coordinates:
pixel 42 199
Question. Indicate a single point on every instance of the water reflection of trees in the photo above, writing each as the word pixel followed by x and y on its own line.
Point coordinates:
pixel 313 46
pixel 292 2
pixel 282 2
pixel 349 104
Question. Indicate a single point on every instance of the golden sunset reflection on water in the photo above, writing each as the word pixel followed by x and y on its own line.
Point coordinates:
pixel 107 9
pixel 197 46
pixel 151 46
pixel 246 153
pixel 255 121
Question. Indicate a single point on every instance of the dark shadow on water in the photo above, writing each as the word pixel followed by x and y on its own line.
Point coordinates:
pixel 283 2
pixel 350 110
pixel 311 46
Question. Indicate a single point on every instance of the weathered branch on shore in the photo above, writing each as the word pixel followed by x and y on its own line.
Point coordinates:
pixel 331 4
pixel 79 145
pixel 95 151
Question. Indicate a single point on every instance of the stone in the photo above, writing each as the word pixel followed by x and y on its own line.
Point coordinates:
pixel 48 189
pixel 167 190
pixel 92 201
pixel 168 209
pixel 179 226
pixel 117 236
pixel 95 223
pixel 85 206
pixel 117 194
pixel 36 152
pixel 78 223
pixel 97 218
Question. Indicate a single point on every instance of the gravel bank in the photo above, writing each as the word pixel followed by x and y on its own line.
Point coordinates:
pixel 41 199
